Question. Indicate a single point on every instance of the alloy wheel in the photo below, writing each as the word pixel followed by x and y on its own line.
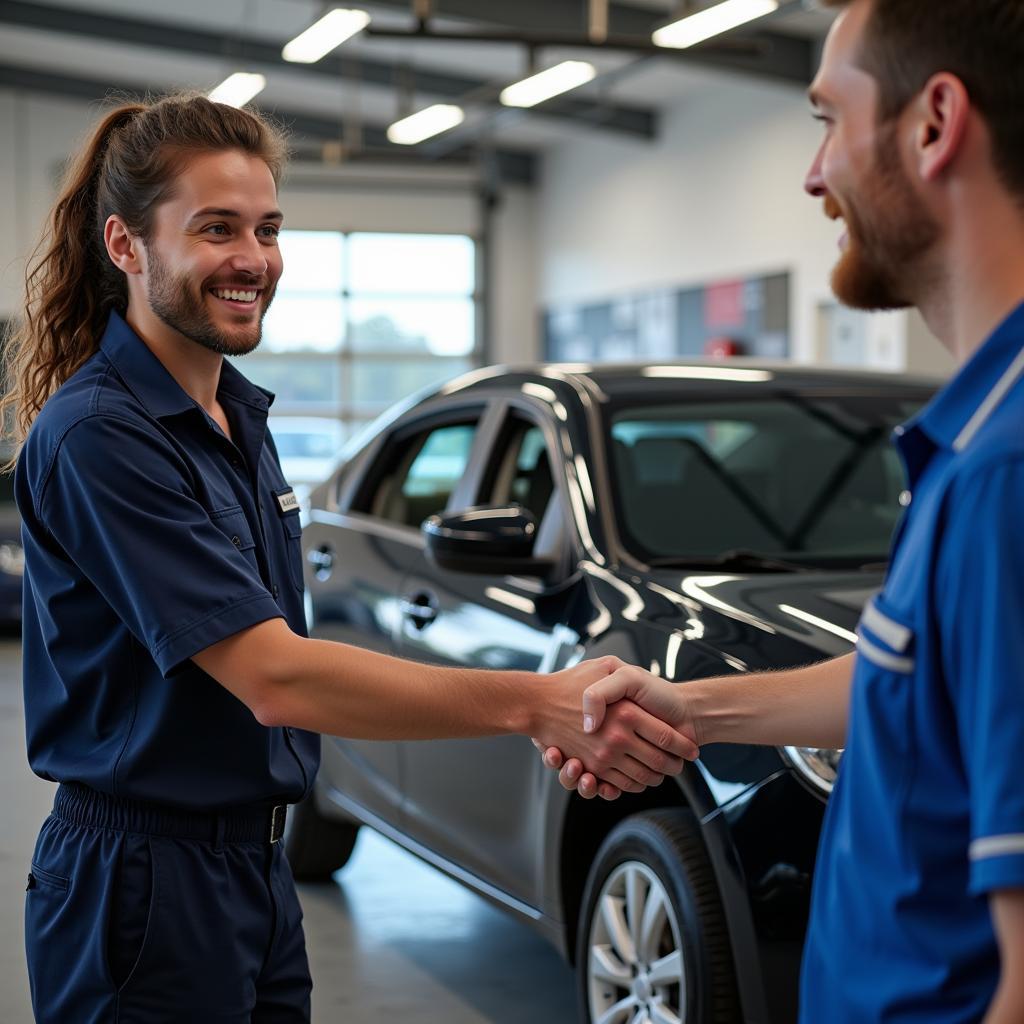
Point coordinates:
pixel 636 972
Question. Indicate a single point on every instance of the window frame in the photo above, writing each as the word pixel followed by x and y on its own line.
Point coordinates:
pixel 355 411
pixel 558 529
pixel 391 449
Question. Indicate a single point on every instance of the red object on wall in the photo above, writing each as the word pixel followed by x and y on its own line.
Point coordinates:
pixel 722 348
pixel 723 305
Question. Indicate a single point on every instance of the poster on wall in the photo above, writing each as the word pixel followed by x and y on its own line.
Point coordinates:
pixel 743 316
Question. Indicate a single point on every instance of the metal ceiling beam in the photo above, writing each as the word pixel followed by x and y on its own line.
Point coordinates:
pixel 629 120
pixel 771 53
pixel 514 166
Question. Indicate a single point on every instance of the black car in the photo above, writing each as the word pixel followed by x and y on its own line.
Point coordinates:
pixel 12 555
pixel 697 520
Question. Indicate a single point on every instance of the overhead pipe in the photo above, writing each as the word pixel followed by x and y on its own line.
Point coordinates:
pixel 564 39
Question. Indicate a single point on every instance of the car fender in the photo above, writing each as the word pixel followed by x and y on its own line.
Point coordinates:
pixel 574 829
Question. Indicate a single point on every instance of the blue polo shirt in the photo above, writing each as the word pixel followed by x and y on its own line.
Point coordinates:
pixel 927 816
pixel 148 537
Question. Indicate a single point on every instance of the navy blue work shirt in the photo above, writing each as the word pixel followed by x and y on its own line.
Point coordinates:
pixel 148 537
pixel 927 816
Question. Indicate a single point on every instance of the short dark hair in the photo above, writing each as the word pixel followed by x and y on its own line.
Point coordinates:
pixel 980 41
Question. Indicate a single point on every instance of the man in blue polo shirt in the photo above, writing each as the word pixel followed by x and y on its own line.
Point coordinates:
pixel 918 906
pixel 169 685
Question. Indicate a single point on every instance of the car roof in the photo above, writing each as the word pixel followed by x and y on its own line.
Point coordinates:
pixel 700 375
pixel 626 379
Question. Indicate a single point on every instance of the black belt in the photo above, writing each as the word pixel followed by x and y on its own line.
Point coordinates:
pixel 80 805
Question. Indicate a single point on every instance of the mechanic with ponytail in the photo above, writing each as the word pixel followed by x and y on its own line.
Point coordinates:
pixel 170 687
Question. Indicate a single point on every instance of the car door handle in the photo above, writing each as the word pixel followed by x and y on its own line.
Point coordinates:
pixel 420 610
pixel 322 561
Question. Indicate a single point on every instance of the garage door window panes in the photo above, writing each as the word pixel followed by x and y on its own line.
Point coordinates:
pixel 308 314
pixel 362 320
pixel 377 382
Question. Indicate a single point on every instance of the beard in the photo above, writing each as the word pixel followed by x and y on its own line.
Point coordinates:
pixel 178 304
pixel 890 234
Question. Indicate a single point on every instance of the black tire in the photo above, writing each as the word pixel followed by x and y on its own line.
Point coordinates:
pixel 314 845
pixel 662 846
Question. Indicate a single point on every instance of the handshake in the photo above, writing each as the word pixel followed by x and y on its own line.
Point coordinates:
pixel 637 728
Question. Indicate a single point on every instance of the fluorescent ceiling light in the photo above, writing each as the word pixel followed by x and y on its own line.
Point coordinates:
pixel 324 35
pixel 704 24
pixel 425 123
pixel 236 90
pixel 540 87
pixel 705 373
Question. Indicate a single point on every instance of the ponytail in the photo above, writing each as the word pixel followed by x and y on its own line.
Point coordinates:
pixel 127 168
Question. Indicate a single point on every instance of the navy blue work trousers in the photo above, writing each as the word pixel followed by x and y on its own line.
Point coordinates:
pixel 137 915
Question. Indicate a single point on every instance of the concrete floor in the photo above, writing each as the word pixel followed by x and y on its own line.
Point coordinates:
pixel 391 939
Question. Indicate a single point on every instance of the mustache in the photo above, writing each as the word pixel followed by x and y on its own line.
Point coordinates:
pixel 832 208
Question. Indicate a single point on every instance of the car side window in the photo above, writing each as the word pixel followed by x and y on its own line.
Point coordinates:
pixel 426 471
pixel 521 472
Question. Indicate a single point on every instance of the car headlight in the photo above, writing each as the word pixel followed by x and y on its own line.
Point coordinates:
pixel 12 559
pixel 818 765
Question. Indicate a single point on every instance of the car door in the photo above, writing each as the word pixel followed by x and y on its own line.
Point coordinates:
pixel 358 557
pixel 474 800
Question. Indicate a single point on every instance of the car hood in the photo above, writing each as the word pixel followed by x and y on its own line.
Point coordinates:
pixel 777 618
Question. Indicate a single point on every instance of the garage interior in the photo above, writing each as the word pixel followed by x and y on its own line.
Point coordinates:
pixel 654 211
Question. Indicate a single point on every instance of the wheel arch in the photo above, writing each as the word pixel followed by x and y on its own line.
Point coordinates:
pixel 582 826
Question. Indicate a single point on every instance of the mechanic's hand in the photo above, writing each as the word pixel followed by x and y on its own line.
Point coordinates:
pixel 573 777
pixel 627 683
pixel 629 748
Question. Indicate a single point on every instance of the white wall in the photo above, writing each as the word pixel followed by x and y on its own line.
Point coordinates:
pixel 718 195
pixel 515 323
pixel 37 133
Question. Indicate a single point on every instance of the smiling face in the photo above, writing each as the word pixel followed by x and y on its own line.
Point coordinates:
pixel 212 258
pixel 859 174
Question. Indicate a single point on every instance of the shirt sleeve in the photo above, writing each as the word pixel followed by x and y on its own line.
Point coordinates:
pixel 120 501
pixel 980 608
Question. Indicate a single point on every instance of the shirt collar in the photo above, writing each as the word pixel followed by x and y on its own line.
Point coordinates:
pixel 958 410
pixel 234 384
pixel 151 383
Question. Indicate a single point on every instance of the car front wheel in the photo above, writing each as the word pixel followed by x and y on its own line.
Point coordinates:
pixel 652 942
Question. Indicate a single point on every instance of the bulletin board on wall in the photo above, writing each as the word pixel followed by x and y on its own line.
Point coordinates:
pixel 751 313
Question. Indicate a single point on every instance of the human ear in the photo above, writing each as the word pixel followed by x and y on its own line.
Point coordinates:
pixel 123 248
pixel 943 108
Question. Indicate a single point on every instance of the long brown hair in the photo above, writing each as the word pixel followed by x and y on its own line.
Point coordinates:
pixel 127 167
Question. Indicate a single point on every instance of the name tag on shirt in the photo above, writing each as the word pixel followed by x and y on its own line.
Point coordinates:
pixel 288 501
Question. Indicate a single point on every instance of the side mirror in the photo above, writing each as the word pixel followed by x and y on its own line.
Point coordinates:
pixel 486 540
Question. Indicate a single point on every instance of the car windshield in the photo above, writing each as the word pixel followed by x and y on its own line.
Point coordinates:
pixel 810 481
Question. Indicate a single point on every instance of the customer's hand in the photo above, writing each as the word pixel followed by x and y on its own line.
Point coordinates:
pixel 628 748
pixel 609 696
